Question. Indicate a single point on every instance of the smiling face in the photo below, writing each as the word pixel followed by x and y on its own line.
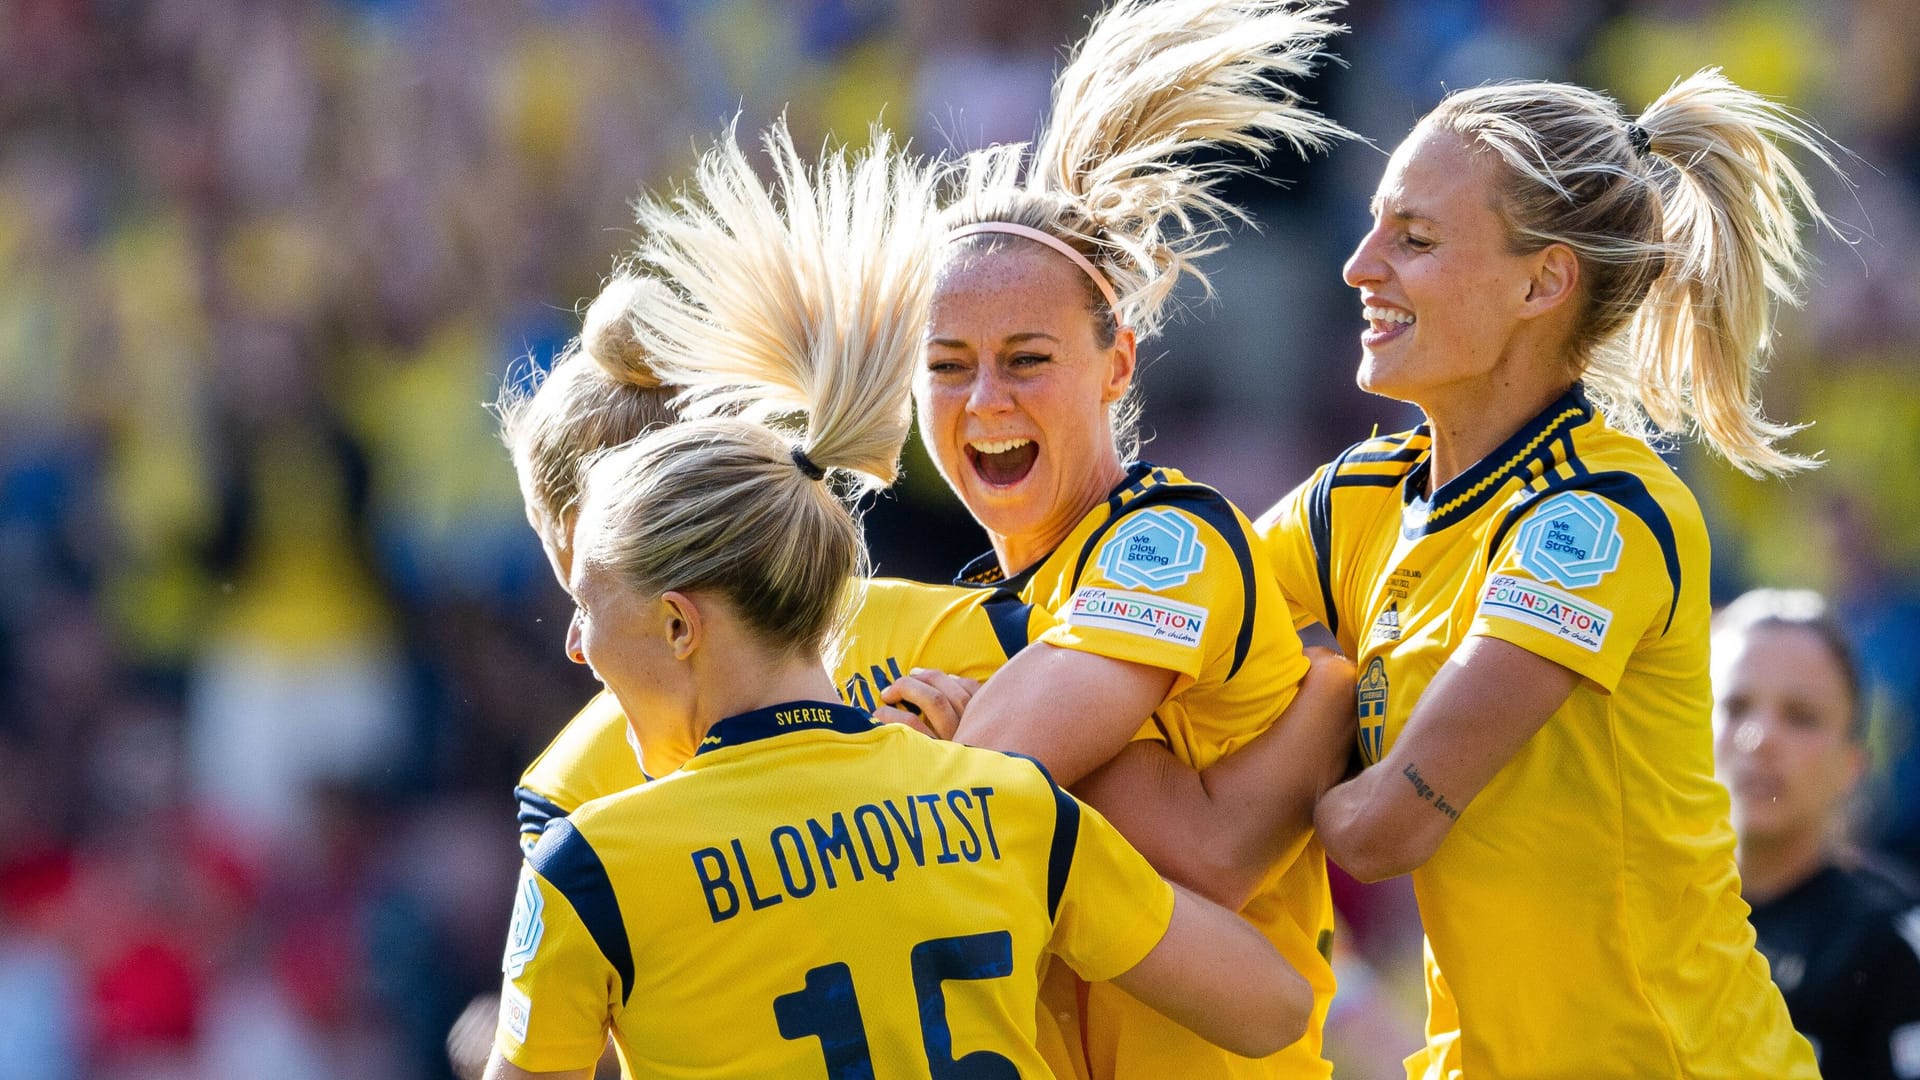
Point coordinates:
pixel 1783 716
pixel 1013 397
pixel 1442 295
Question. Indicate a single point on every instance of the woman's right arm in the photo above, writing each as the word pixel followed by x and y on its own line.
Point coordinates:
pixel 1219 831
pixel 1215 975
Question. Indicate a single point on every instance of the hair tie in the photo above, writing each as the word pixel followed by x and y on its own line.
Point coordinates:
pixel 812 471
pixel 1016 229
pixel 1639 138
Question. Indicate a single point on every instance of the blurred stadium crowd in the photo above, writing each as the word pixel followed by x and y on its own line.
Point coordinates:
pixel 275 640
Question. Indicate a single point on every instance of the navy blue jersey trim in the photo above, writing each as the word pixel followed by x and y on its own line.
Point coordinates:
pixel 1625 490
pixel 1369 479
pixel 1209 506
pixel 788 717
pixel 571 866
pixel 1010 618
pixel 1404 453
pixel 1066 836
pixel 1532 445
pixel 1320 532
pixel 536 810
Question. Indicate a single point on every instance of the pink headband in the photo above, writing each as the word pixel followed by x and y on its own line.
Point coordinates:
pixel 1099 279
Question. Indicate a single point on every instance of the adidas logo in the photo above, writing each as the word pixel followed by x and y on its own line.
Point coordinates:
pixel 1387 626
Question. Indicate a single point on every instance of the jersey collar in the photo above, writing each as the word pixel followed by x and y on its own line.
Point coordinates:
pixel 784 719
pixel 984 570
pixel 1533 445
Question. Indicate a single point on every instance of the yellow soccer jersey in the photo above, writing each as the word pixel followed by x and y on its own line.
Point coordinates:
pixel 1167 572
pixel 815 895
pixel 1584 916
pixel 900 625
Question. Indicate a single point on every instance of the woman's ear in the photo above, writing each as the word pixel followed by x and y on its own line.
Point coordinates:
pixel 1121 357
pixel 680 623
pixel 1555 276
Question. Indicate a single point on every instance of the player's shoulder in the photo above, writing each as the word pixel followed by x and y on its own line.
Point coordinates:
pixel 1600 485
pixel 589 757
pixel 1161 524
pixel 1376 463
pixel 884 600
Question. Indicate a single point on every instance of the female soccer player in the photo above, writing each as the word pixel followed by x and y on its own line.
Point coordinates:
pixel 811 894
pixel 1842 934
pixel 1170 636
pixel 604 392
pixel 1523 582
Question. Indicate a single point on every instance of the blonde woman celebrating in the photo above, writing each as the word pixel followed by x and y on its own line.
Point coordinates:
pixel 810 894
pixel 1172 645
pixel 1523 582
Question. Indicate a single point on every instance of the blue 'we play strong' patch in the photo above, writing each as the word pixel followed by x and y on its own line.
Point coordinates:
pixel 1572 539
pixel 1153 549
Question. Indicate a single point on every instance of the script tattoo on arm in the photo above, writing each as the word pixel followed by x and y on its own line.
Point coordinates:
pixel 1426 792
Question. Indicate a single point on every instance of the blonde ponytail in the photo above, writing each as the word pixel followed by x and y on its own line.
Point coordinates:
pixel 600 393
pixel 1686 224
pixel 1112 173
pixel 795 317
pixel 1731 199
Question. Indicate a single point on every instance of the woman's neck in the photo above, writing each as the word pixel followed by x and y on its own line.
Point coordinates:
pixel 1467 427
pixel 1772 866
pixel 724 691
pixel 1017 553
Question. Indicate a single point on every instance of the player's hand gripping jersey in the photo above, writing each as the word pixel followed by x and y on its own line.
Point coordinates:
pixel 815 895
pixel 1584 916
pixel 1167 573
pixel 900 625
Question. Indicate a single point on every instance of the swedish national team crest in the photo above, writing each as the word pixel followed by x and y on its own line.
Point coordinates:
pixel 1153 549
pixel 523 937
pixel 1373 711
pixel 1572 539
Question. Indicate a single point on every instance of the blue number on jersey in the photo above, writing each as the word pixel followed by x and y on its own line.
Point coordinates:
pixel 827 1008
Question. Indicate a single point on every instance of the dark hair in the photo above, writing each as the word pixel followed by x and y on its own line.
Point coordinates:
pixel 1801 609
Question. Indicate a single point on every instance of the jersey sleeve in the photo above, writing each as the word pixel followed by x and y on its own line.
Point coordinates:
pixel 1579 580
pixel 1164 588
pixel 1109 907
pixel 590 757
pixel 561 989
pixel 1289 538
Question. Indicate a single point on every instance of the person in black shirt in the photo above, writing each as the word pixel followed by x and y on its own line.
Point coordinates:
pixel 1841 932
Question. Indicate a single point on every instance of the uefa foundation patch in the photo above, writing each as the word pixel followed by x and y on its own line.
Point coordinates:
pixel 515 1010
pixel 1544 607
pixel 1137 613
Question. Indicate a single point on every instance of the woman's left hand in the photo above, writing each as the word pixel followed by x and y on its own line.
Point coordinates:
pixel 927 700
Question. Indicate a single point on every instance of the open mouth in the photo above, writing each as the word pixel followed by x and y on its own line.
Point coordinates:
pixel 1384 324
pixel 1003 462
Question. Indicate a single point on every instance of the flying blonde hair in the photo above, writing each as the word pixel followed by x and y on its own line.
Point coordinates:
pixel 600 393
pixel 1112 173
pixel 1121 171
pixel 1686 223
pixel 793 321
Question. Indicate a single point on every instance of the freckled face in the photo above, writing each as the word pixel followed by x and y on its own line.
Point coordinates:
pixel 1781 718
pixel 1014 394
pixel 1438 288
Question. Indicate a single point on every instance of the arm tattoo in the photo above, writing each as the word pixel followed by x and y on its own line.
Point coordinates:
pixel 1425 791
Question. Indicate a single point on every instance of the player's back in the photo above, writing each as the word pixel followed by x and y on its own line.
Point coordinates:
pixel 811 891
